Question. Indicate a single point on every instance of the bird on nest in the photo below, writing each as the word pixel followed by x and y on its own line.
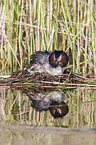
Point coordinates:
pixel 52 63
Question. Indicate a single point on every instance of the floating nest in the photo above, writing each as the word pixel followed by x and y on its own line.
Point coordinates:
pixel 45 81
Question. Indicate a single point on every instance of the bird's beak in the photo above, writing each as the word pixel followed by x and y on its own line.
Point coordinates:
pixel 58 59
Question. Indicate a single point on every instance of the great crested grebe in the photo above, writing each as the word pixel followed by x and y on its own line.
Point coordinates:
pixel 49 62
pixel 52 101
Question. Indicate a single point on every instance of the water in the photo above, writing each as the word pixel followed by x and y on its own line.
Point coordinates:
pixel 16 108
pixel 20 123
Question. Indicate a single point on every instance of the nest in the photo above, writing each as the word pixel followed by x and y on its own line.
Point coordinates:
pixel 37 80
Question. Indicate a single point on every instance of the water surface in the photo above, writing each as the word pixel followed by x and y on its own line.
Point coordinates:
pixel 16 108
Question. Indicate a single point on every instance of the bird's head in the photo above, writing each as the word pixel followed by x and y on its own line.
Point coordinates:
pixel 58 110
pixel 58 58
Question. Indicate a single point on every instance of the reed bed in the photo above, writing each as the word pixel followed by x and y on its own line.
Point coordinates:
pixel 29 26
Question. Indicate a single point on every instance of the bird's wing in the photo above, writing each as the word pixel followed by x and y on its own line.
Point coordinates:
pixel 40 57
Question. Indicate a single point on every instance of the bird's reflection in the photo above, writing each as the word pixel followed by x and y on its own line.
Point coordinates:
pixel 58 109
pixel 52 101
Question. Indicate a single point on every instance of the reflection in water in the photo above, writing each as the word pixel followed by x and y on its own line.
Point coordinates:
pixel 15 107
pixel 58 109
pixel 52 101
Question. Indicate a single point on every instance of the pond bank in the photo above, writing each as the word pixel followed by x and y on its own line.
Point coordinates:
pixel 17 135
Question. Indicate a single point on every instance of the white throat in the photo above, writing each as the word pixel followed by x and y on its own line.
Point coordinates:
pixel 53 71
